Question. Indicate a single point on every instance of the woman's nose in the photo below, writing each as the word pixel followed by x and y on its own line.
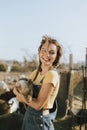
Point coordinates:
pixel 47 53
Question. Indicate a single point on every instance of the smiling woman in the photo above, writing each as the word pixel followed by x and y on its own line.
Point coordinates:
pixel 48 53
pixel 38 113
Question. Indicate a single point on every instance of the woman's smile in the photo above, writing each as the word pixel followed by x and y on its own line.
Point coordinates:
pixel 48 54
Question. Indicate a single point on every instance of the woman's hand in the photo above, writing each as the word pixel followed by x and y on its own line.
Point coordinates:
pixel 19 96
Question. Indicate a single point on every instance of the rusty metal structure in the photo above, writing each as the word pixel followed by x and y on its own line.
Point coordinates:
pixel 79 113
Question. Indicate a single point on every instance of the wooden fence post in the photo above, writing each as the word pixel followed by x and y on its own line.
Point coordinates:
pixel 70 62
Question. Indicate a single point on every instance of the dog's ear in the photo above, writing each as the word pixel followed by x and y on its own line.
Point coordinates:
pixel 30 82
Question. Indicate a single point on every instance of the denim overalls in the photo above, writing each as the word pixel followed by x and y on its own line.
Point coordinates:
pixel 35 120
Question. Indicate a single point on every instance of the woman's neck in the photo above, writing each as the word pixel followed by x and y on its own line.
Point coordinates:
pixel 45 69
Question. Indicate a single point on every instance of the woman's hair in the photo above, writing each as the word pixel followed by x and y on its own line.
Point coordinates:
pixel 59 50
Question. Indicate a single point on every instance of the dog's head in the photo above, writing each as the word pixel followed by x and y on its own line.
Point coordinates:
pixel 25 87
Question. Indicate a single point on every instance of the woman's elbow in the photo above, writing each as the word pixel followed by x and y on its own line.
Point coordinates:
pixel 39 106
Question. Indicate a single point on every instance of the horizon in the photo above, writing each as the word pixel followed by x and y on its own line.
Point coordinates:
pixel 23 23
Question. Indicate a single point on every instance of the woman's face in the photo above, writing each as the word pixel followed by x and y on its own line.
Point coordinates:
pixel 48 54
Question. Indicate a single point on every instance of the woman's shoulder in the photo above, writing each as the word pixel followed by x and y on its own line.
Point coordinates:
pixel 51 77
pixel 33 73
pixel 52 72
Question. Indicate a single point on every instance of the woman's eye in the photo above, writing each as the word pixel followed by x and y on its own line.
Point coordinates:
pixel 52 52
pixel 49 52
pixel 43 50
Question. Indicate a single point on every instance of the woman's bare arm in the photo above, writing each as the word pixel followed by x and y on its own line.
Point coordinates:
pixel 36 103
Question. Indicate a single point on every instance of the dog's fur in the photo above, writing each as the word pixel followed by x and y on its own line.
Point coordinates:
pixel 25 87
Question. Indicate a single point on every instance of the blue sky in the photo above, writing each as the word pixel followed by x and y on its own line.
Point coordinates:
pixel 24 22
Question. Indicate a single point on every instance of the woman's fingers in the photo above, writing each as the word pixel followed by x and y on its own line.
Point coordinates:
pixel 15 91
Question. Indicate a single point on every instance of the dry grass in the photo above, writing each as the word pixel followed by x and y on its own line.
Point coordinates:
pixel 14 76
pixel 60 123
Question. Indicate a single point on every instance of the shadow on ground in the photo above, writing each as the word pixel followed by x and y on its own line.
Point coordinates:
pixel 63 124
pixel 69 123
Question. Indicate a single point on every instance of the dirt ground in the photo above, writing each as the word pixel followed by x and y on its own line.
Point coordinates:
pixel 64 123
pixel 69 123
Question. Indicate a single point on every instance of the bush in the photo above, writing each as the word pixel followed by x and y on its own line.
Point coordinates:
pixel 3 67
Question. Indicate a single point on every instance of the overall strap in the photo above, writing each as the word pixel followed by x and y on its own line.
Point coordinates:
pixel 36 75
pixel 42 80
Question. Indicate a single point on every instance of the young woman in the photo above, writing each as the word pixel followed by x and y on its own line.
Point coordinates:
pixel 46 82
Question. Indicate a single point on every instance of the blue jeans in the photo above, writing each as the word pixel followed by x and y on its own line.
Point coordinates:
pixel 35 120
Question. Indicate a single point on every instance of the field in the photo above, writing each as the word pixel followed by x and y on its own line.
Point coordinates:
pixel 62 122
